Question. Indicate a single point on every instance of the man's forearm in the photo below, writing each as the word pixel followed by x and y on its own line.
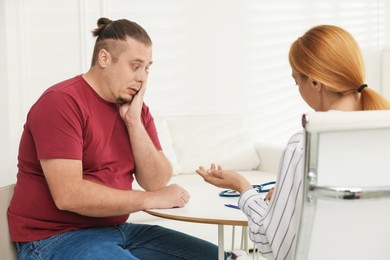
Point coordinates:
pixel 96 200
pixel 153 170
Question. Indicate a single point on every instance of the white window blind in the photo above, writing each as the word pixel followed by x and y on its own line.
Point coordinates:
pixel 169 25
pixel 270 28
pixel 230 57
pixel 210 57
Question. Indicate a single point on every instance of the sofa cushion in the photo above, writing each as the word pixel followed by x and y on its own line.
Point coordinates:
pixel 202 140
pixel 166 142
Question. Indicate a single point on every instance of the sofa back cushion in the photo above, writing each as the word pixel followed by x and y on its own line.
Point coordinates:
pixel 202 140
pixel 165 138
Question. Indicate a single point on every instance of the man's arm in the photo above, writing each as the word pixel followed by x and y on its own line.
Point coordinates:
pixel 152 169
pixel 73 193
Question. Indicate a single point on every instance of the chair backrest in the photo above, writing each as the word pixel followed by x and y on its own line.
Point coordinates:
pixel 346 208
pixel 7 248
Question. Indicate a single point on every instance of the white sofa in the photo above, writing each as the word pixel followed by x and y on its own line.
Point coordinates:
pixel 191 141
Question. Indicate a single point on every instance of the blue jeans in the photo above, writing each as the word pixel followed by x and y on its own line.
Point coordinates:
pixel 126 241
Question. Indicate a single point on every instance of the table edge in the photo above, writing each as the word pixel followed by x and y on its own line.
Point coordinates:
pixel 198 220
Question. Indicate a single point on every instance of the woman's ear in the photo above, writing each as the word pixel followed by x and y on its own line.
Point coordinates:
pixel 316 85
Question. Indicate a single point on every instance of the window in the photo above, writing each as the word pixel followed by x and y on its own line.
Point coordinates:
pixel 210 57
pixel 272 99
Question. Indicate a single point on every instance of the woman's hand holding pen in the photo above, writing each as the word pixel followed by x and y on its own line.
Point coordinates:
pixel 269 194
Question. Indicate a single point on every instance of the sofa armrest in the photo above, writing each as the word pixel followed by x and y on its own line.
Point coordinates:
pixel 270 155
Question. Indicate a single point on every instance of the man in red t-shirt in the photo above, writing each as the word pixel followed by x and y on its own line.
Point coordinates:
pixel 84 141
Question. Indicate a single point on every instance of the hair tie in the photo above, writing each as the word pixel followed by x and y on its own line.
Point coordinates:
pixel 360 89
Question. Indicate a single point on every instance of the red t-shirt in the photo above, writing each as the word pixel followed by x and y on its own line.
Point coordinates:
pixel 70 121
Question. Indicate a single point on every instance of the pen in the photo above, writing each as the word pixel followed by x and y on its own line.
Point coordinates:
pixel 232 206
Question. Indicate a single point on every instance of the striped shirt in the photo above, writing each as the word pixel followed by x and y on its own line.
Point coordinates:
pixel 273 225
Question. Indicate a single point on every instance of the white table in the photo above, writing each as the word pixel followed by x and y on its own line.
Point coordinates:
pixel 206 206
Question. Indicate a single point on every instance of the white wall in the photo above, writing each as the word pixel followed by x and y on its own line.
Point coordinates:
pixel 8 141
pixel 385 72
pixel 209 56
pixel 8 160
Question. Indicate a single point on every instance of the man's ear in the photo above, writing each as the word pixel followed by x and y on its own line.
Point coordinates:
pixel 103 58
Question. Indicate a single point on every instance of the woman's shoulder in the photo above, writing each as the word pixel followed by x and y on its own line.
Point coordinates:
pixel 296 138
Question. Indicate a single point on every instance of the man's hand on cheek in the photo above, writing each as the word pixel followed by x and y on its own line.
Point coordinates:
pixel 131 111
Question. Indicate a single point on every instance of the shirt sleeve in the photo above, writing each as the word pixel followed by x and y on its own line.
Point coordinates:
pixel 56 124
pixel 255 208
pixel 273 225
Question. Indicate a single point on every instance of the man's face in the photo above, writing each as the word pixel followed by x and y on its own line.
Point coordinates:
pixel 129 73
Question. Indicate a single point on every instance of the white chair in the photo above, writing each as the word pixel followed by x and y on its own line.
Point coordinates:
pixel 7 248
pixel 346 209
